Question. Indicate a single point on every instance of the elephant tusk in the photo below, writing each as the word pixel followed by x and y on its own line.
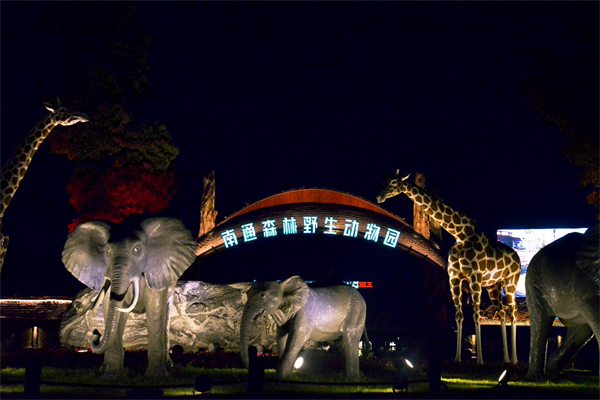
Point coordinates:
pixel 257 316
pixel 136 295
pixel 101 295
pixel 279 317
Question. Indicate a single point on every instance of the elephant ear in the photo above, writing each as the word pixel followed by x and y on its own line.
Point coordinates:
pixel 83 254
pixel 295 296
pixel 588 256
pixel 171 250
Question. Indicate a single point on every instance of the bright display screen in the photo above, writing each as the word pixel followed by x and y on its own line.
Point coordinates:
pixel 527 242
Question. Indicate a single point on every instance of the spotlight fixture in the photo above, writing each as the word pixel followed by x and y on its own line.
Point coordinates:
pixel 203 384
pixel 298 363
pixel 400 381
pixel 504 378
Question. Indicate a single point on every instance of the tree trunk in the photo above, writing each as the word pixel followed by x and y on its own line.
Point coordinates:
pixel 208 215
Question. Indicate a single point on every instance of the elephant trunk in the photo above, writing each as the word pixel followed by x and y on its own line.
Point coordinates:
pixel 118 290
pixel 248 317
pixel 102 342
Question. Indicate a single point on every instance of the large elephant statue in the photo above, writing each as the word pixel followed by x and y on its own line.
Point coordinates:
pixel 302 313
pixel 563 281
pixel 135 266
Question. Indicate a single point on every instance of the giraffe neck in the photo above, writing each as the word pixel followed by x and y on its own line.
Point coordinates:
pixel 15 168
pixel 455 223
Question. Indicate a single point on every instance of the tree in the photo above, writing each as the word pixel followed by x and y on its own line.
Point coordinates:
pixel 563 87
pixel 581 147
pixel 122 167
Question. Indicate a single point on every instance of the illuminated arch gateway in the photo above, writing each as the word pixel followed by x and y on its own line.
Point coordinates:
pixel 323 212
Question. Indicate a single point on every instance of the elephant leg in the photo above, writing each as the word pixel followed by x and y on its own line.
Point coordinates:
pixel 169 362
pixel 156 317
pixel 590 313
pixel 115 354
pixel 589 310
pixel 296 338
pixel 351 339
pixel 282 336
pixel 540 324
pixel 577 336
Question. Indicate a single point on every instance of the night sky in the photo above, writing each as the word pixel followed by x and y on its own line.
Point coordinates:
pixel 275 96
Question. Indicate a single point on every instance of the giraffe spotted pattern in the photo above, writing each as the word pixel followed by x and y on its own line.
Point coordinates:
pixel 15 168
pixel 473 258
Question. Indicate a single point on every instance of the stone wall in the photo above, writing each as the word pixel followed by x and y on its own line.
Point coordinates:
pixel 204 316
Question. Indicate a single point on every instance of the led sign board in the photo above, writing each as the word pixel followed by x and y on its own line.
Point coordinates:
pixel 360 284
pixel 354 284
pixel 310 225
pixel 527 242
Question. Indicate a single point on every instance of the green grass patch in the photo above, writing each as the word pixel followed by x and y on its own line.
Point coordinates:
pixel 231 383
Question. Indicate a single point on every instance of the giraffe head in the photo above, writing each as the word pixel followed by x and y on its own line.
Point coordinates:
pixel 394 185
pixel 61 116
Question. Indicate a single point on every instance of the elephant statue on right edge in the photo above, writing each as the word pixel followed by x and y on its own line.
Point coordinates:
pixel 563 281
pixel 301 313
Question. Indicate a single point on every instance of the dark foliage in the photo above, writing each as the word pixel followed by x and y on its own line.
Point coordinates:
pixel 122 165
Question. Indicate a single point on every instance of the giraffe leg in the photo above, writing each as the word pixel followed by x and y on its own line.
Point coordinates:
pixel 475 285
pixel 510 290
pixel 455 288
pixel 496 299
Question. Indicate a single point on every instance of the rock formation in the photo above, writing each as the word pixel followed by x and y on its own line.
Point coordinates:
pixel 204 316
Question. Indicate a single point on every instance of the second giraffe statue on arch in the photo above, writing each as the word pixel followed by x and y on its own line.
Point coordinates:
pixel 483 264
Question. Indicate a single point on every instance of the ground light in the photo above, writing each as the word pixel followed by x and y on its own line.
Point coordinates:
pixel 203 384
pixel 504 378
pixel 401 379
pixel 502 387
pixel 298 363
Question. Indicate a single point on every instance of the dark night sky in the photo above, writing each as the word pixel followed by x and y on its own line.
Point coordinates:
pixel 275 96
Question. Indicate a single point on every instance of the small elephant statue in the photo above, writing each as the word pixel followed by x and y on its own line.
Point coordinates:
pixel 135 266
pixel 563 281
pixel 301 313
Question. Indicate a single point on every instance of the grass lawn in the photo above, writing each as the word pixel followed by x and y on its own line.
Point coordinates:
pixel 465 381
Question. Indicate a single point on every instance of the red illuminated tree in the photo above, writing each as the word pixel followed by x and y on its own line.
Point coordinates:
pixel 122 167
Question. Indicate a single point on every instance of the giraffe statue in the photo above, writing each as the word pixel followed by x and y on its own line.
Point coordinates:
pixel 483 264
pixel 15 168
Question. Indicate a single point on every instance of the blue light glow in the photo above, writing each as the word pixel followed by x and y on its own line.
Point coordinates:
pixel 310 225
pixel 289 226
pixel 391 238
pixel 269 228
pixel 248 232
pixel 351 228
pixel 330 225
pixel 229 238
pixel 372 232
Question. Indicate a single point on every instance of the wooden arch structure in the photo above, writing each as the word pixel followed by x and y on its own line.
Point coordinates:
pixel 337 214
